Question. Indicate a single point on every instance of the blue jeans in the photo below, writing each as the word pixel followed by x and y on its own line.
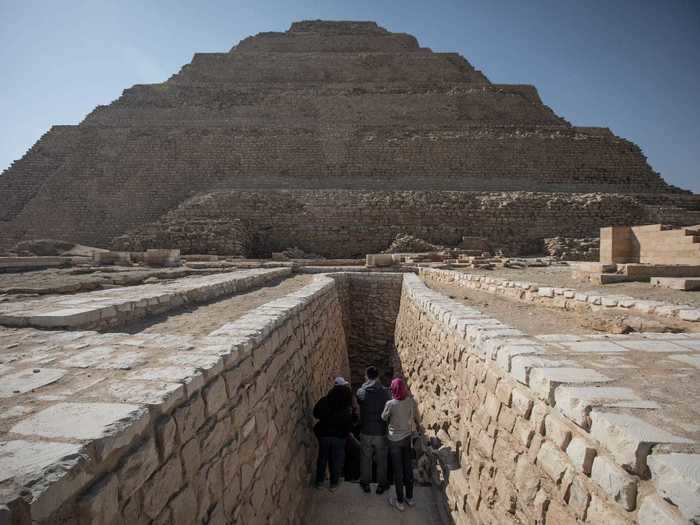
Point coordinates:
pixel 331 453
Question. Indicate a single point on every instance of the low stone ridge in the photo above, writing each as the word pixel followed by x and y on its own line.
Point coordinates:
pixel 565 298
pixel 110 308
pixel 327 107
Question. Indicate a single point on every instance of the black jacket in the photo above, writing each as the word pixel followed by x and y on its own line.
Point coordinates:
pixel 372 399
pixel 334 413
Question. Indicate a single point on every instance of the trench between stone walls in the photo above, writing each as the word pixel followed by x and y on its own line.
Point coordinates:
pixel 233 442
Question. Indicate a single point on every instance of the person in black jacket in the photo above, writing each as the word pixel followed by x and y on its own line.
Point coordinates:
pixel 372 396
pixel 334 414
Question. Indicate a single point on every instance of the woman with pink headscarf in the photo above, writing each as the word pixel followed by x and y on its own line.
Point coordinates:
pixel 399 413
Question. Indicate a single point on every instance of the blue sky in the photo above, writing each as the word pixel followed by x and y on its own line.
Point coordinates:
pixel 633 66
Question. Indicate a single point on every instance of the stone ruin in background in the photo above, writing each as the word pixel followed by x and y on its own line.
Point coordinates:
pixel 334 138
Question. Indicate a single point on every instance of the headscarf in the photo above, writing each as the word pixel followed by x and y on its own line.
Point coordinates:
pixel 399 390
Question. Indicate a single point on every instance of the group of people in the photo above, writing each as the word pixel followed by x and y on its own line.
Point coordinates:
pixel 386 427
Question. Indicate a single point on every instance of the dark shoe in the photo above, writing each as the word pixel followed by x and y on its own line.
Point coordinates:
pixel 380 489
pixel 333 487
pixel 365 488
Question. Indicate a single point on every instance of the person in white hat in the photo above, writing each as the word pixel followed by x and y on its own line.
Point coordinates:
pixel 334 414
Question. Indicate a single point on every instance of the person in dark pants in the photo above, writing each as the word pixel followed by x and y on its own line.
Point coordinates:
pixel 334 414
pixel 372 396
pixel 399 413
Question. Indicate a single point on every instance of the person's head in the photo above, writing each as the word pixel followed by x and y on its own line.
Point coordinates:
pixel 399 390
pixel 387 378
pixel 340 396
pixel 371 373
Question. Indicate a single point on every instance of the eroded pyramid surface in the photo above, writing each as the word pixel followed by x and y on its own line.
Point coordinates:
pixel 333 137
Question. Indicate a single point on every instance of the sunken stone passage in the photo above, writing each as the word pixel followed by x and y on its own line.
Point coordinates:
pixel 210 429
pixel 328 108
pixel 556 429
pixel 113 428
pixel 370 307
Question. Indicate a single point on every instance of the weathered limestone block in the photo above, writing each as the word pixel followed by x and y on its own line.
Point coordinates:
pixel 545 381
pixel 677 478
pixel 581 452
pixel 100 504
pixel 655 511
pixel 137 468
pixel 552 461
pixel 619 485
pixel 108 426
pixel 165 482
pixel 629 438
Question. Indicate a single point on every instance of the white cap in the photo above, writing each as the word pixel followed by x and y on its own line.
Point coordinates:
pixel 340 381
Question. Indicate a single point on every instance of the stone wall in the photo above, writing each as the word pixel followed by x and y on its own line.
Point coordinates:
pixel 214 232
pixel 227 441
pixel 344 223
pixel 651 244
pixel 563 298
pixel 508 453
pixel 370 307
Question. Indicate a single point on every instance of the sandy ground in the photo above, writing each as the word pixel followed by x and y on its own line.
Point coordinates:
pixel 532 319
pixel 560 276
pixel 350 506
pixel 205 318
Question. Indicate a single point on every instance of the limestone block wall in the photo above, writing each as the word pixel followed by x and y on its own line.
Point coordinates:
pixel 564 298
pixel 370 308
pixel 227 441
pixel 326 105
pixel 508 453
pixel 650 244
pixel 352 223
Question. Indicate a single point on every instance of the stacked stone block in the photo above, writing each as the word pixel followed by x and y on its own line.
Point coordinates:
pixel 512 447
pixel 563 298
pixel 229 440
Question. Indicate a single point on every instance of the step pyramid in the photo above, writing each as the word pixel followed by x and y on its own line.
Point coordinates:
pixel 333 137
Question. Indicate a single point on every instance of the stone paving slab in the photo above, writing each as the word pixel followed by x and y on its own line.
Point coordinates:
pixel 118 305
pixel 28 458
